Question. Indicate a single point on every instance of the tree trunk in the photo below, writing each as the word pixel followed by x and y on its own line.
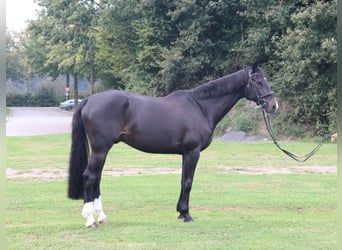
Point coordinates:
pixel 91 78
pixel 242 31
pixel 67 86
pixel 76 89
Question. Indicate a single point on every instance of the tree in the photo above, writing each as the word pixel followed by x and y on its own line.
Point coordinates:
pixel 306 65
pixel 17 66
pixel 66 29
pixel 115 41
pixel 202 48
pixel 263 23
pixel 156 46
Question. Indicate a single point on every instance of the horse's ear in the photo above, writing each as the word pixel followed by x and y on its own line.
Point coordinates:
pixel 255 67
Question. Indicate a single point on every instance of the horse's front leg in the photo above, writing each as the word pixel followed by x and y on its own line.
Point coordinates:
pixel 190 160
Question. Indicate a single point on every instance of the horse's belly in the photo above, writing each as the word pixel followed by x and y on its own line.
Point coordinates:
pixel 155 150
pixel 171 140
pixel 151 144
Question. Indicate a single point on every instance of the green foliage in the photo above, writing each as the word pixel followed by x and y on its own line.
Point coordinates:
pixel 43 98
pixel 19 100
pixel 306 65
pixel 18 67
pixel 244 117
pixel 47 93
pixel 115 40
pixel 201 49
pixel 62 40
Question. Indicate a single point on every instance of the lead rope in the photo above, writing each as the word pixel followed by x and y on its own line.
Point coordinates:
pixel 299 158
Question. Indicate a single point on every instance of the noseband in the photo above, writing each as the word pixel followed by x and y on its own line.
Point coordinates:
pixel 260 98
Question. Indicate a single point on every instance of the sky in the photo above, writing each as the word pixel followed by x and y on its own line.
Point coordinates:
pixel 18 11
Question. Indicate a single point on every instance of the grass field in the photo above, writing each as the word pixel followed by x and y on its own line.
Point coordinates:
pixel 46 152
pixel 231 211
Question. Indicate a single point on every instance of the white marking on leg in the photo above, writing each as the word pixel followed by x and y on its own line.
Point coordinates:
pixel 87 212
pixel 99 210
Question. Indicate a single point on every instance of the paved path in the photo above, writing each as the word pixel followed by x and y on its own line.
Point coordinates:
pixel 27 121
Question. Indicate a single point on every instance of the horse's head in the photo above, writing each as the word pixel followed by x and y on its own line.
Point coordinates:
pixel 259 90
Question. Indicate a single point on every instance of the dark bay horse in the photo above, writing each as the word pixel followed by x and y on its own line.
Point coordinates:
pixel 180 123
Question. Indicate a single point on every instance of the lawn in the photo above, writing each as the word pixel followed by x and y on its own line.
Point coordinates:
pixel 231 211
pixel 47 152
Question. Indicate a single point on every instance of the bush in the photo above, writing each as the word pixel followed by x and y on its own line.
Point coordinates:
pixel 243 117
pixel 43 98
pixel 15 99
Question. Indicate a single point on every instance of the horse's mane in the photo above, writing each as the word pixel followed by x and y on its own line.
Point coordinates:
pixel 221 86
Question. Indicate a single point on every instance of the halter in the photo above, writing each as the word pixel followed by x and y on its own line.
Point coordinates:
pixel 260 98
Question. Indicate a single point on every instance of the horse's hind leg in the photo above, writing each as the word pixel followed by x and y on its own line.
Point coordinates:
pixel 102 218
pixel 91 180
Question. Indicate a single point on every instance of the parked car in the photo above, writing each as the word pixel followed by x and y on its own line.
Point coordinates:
pixel 68 104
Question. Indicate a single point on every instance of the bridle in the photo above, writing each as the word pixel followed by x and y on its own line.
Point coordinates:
pixel 260 100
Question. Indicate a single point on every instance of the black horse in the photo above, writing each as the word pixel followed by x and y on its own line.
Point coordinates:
pixel 180 123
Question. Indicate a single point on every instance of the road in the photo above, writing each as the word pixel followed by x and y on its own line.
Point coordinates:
pixel 27 121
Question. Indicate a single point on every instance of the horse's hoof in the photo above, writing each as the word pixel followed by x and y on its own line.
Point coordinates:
pixel 188 220
pixel 103 221
pixel 94 225
pixel 185 218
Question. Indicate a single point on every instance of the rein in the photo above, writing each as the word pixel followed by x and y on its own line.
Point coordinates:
pixel 299 158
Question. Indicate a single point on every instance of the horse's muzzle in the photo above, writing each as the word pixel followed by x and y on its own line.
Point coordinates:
pixel 271 106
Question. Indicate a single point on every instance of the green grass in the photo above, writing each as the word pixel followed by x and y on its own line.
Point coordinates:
pixel 231 211
pixel 52 151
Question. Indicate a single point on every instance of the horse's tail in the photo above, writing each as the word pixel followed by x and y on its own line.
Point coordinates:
pixel 78 155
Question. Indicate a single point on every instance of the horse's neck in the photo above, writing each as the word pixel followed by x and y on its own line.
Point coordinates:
pixel 216 108
pixel 216 105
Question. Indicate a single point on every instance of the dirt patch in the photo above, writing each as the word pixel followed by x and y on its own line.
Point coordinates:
pixel 280 170
pixel 57 174
pixel 238 136
pixel 37 174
